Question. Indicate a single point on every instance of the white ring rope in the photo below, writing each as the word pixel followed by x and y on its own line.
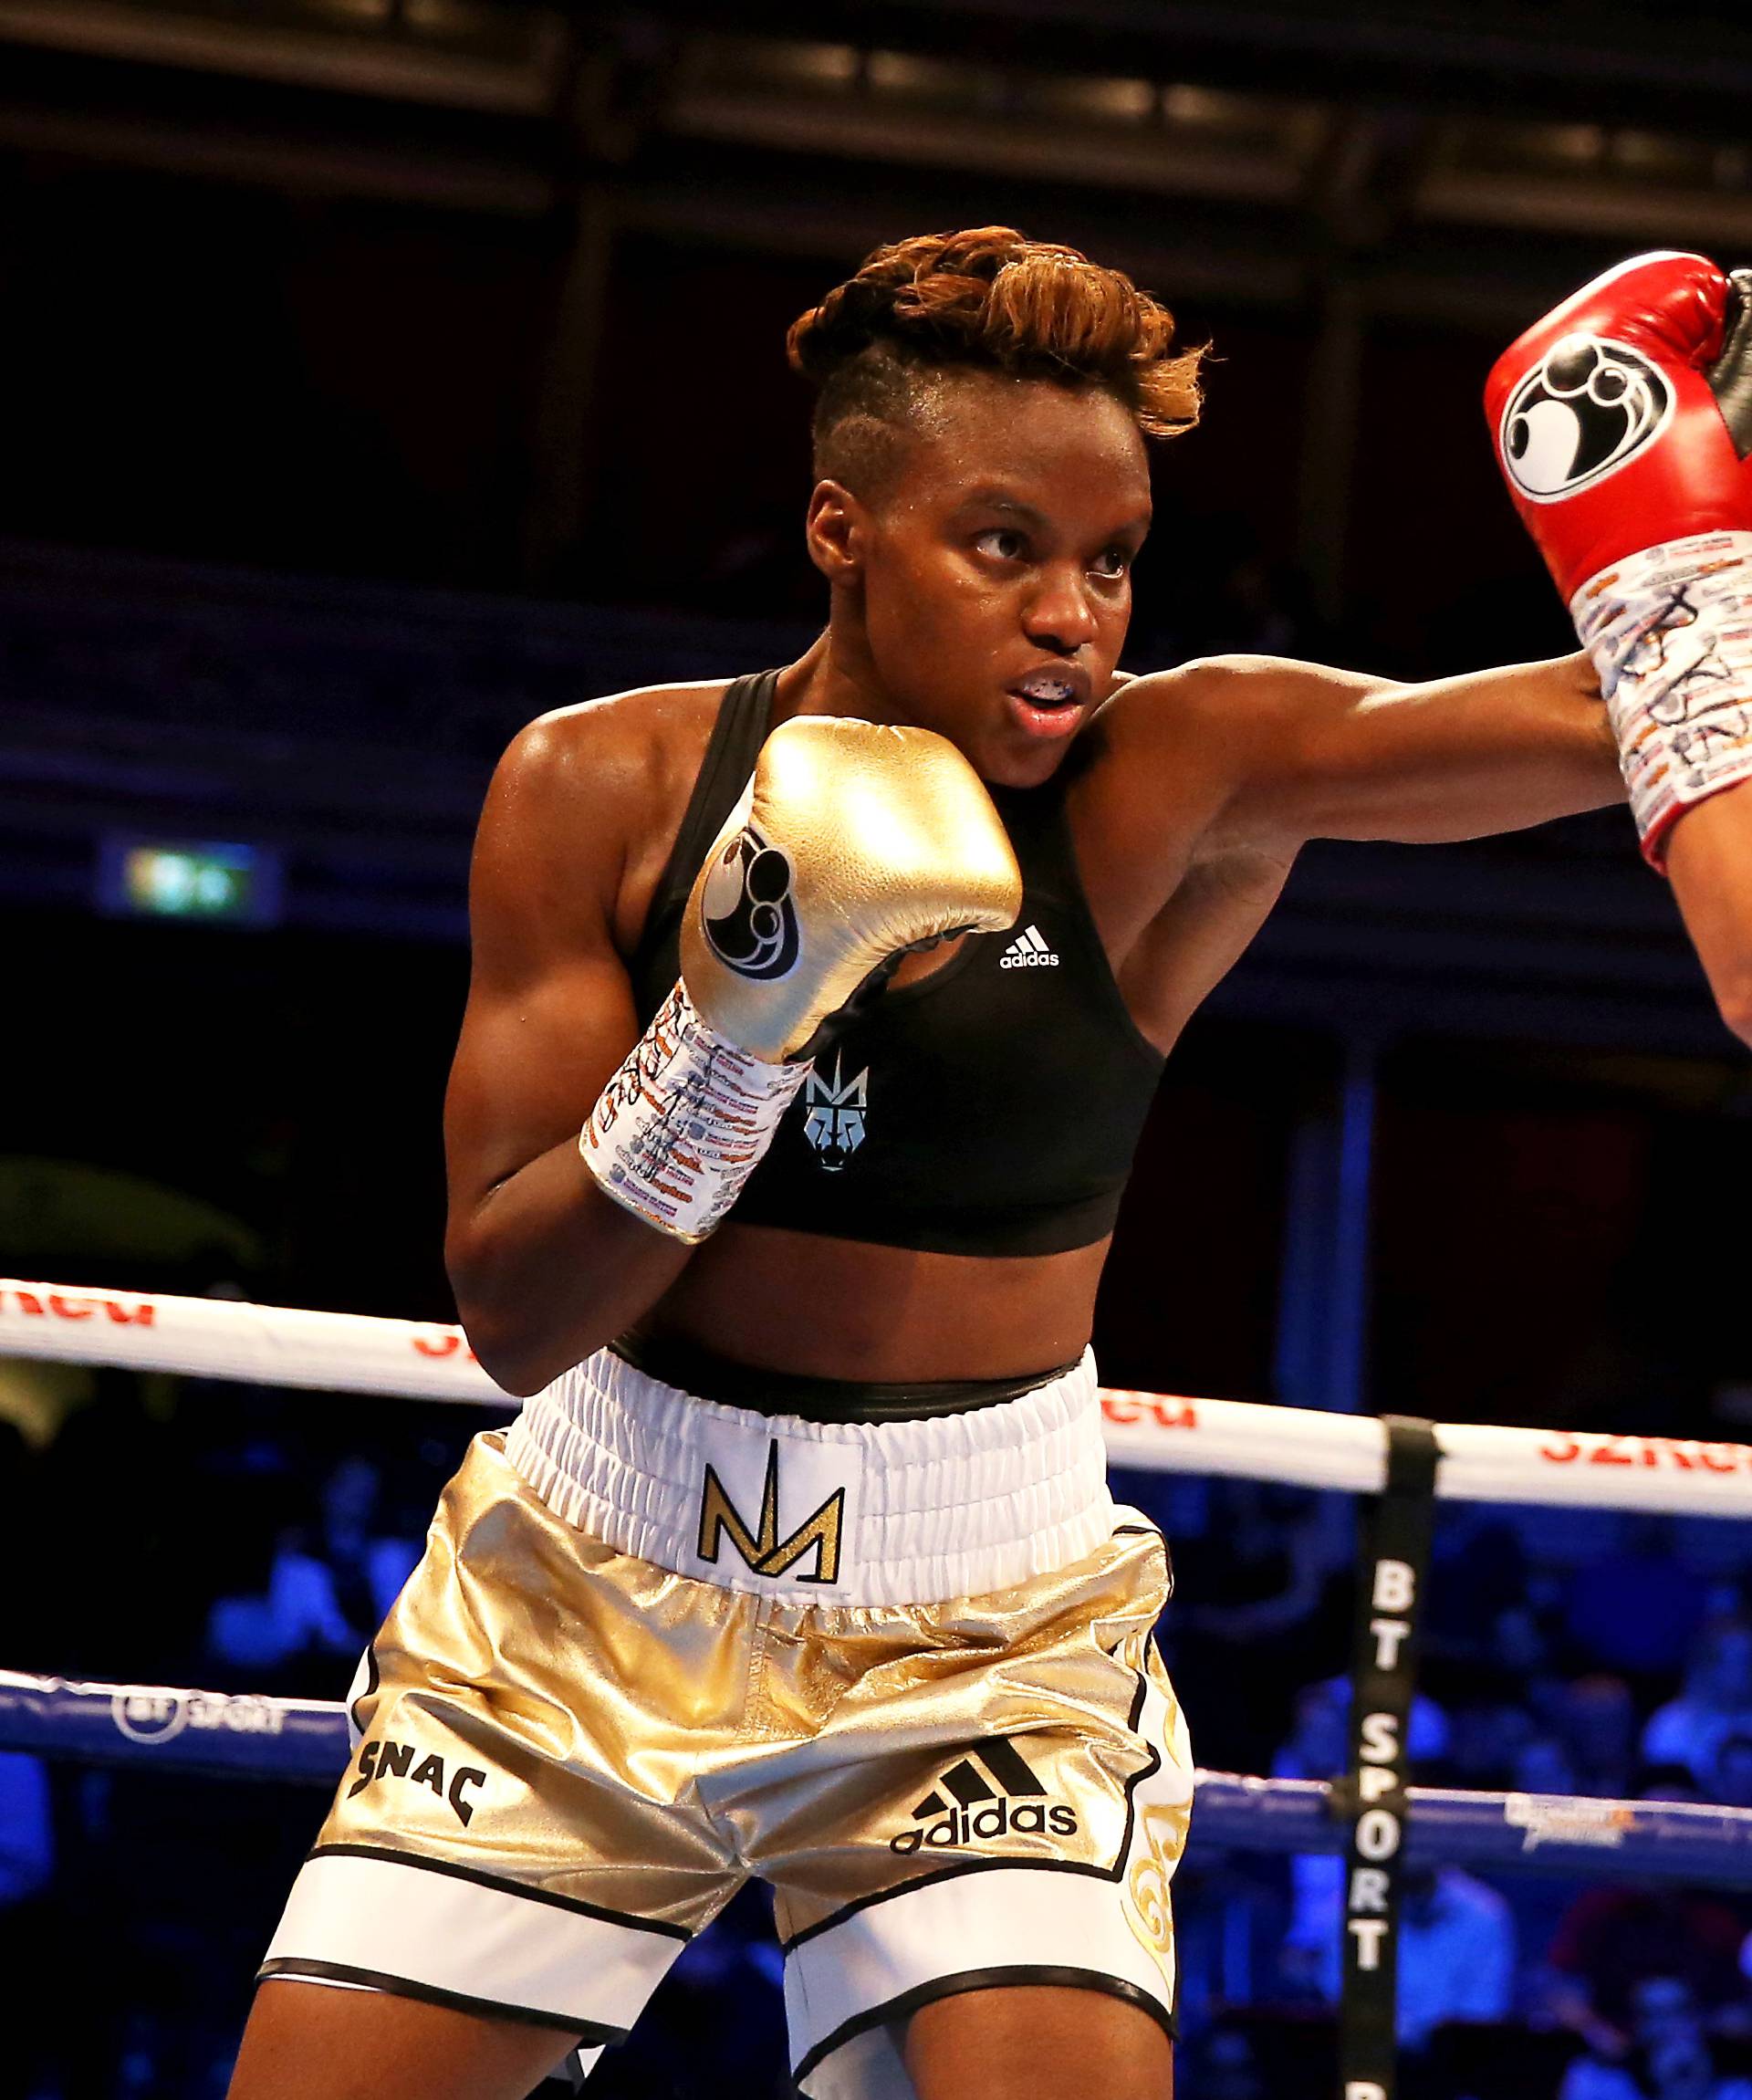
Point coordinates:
pixel 265 1344
pixel 348 1352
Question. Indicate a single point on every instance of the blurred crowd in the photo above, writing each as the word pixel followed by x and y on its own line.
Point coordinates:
pixel 245 1539
pixel 1568 1653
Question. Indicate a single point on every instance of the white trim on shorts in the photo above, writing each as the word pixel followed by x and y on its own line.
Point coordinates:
pixel 1039 1923
pixel 469 1941
pixel 947 1506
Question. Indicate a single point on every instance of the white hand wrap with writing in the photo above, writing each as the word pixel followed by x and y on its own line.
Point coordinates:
pixel 684 1122
pixel 1670 632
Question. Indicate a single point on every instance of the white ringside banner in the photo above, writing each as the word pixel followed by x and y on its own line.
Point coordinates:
pixel 348 1352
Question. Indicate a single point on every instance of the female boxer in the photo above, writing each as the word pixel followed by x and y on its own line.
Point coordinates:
pixel 814 1015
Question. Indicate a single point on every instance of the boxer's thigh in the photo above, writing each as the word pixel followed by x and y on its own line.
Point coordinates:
pixel 1037 2042
pixel 307 2041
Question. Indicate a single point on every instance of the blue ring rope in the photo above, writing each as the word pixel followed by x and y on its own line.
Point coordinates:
pixel 153 1728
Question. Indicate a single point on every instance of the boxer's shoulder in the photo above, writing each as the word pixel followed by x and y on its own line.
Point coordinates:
pixel 1176 746
pixel 590 795
pixel 1149 791
pixel 630 747
pixel 1234 725
pixel 1209 694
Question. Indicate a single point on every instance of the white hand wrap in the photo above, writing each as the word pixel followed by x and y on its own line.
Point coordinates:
pixel 684 1122
pixel 1670 632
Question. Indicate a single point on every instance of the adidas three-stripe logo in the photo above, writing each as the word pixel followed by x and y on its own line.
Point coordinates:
pixel 1027 951
pixel 1007 1766
pixel 992 1793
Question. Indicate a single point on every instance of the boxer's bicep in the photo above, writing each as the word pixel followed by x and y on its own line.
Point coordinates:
pixel 530 1061
pixel 551 1010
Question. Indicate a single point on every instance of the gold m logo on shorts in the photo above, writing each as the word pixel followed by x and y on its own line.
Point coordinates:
pixel 766 1552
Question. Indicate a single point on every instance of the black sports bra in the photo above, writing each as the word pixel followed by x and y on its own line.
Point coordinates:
pixel 990 1108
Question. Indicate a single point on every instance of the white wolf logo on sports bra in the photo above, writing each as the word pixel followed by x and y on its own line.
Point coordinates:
pixel 835 1123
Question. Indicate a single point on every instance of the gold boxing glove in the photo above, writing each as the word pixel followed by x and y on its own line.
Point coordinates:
pixel 851 843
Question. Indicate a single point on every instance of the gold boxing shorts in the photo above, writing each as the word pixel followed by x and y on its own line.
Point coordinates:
pixel 568 1756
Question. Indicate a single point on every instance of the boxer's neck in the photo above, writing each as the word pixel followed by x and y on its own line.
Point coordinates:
pixel 836 675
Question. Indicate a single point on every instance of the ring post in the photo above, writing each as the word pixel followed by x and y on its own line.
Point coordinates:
pixel 1395 1551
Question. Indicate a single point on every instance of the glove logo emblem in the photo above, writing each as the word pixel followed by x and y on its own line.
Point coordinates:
pixel 746 910
pixel 1587 409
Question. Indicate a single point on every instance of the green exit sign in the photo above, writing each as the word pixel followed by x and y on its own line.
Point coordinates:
pixel 198 882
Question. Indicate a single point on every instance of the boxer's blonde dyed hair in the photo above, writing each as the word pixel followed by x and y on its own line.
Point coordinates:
pixel 982 299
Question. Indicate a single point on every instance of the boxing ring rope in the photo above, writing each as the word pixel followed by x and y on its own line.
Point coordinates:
pixel 244 1736
pixel 1154 1432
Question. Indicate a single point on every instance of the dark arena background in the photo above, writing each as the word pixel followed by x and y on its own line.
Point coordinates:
pixel 377 374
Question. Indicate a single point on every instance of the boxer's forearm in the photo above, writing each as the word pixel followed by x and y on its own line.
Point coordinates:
pixel 547 1269
pixel 1709 859
pixel 1490 751
pixel 1340 756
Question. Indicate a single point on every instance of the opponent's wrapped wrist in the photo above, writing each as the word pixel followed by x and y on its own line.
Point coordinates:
pixel 1670 632
pixel 686 1121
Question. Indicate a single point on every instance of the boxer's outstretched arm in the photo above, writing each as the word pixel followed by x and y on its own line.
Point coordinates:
pixel 1316 753
pixel 1709 861
pixel 545 1267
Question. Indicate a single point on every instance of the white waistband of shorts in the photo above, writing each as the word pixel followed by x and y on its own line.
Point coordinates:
pixel 822 1512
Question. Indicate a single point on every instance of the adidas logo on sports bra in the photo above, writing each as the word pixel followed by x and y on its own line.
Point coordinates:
pixel 1029 951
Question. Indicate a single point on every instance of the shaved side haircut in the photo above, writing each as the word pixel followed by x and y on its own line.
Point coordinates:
pixel 880 346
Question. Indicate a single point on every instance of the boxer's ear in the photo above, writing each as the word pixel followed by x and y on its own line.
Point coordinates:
pixel 835 530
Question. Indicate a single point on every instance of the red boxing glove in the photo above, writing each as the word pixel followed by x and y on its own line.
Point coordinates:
pixel 1616 426
pixel 1622 424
